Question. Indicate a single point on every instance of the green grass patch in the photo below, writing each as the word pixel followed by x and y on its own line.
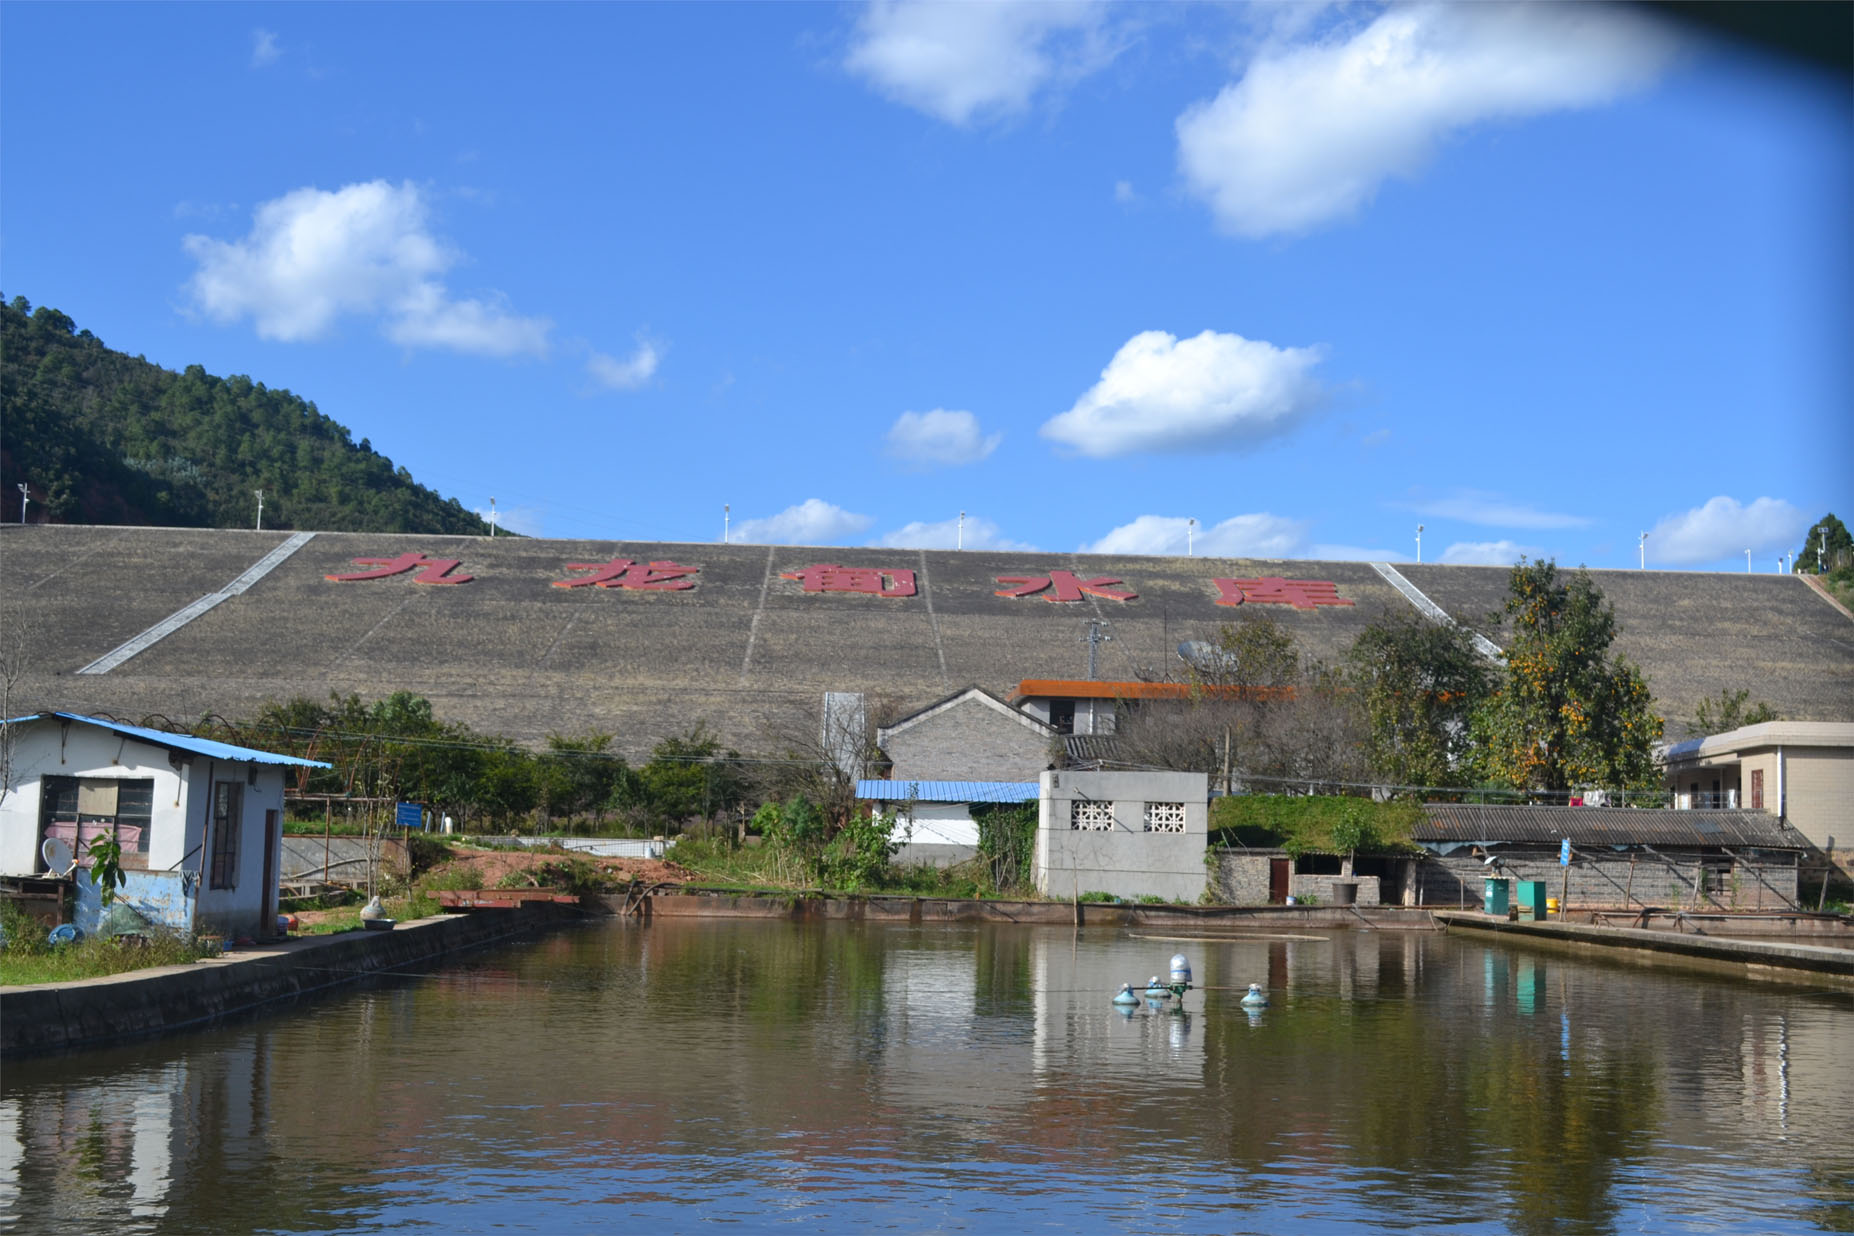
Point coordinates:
pixel 1314 823
pixel 28 958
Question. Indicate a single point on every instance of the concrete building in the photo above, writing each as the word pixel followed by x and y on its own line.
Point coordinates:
pixel 1131 834
pixel 933 819
pixel 200 823
pixel 1802 772
pixel 969 736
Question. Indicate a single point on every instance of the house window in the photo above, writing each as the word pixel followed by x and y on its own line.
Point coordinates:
pixel 1091 817
pixel 227 799
pixel 1062 716
pixel 1165 817
pixel 78 810
pixel 1757 789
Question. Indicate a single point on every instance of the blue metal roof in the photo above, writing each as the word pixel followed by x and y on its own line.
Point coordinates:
pixel 949 791
pixel 177 742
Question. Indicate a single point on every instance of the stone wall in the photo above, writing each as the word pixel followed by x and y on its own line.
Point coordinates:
pixel 1240 877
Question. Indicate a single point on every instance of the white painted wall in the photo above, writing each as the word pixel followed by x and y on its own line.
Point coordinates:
pixel 1124 860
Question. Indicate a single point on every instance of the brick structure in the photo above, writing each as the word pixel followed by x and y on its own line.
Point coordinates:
pixel 971 736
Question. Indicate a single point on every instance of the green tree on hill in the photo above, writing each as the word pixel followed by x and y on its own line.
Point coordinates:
pixel 1419 683
pixel 106 438
pixel 1828 548
pixel 1565 714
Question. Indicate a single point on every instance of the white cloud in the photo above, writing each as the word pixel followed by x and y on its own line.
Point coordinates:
pixel 1724 529
pixel 1214 390
pixel 1494 511
pixel 1124 192
pixel 1310 131
pixel 1487 553
pixel 264 50
pixel 940 437
pixel 627 374
pixel 980 533
pixel 1260 535
pixel 313 256
pixel 964 61
pixel 811 522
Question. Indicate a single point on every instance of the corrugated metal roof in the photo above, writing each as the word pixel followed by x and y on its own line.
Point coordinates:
pixel 1603 826
pixel 177 742
pixel 949 791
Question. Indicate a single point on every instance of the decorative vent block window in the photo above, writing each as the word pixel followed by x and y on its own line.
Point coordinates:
pixel 1091 817
pixel 1165 817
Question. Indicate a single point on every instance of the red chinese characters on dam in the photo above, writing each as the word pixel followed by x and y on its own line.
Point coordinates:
pixel 1064 586
pixel 872 581
pixel 430 570
pixel 626 573
pixel 1273 590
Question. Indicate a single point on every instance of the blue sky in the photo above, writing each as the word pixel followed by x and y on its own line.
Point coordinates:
pixel 1539 279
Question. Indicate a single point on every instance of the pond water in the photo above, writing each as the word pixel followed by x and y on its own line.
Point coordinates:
pixel 771 1076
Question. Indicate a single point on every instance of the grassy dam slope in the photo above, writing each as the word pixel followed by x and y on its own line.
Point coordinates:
pixel 747 650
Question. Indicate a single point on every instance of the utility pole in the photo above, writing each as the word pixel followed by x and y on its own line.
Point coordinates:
pixel 1097 635
pixel 260 518
pixel 1644 549
pixel 25 500
pixel 1419 545
pixel 1191 537
pixel 492 517
pixel 960 542
pixel 727 514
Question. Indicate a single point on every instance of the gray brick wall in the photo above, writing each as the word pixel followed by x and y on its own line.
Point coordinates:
pixel 970 741
pixel 1240 877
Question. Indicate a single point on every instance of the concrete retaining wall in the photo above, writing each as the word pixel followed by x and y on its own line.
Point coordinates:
pixel 1750 958
pixel 346 858
pixel 97 1012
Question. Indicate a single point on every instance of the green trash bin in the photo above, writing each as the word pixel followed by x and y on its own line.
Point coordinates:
pixel 1498 890
pixel 1532 901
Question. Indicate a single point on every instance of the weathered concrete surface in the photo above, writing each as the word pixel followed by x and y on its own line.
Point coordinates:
pixel 52 1017
pixel 877 909
pixel 751 652
pixel 1756 958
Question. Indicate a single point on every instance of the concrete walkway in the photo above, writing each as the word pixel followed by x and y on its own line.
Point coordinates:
pixel 1815 959
pixel 97 1012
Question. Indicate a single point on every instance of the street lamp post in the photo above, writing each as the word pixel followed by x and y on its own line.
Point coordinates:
pixel 1643 545
pixel 1191 537
pixel 727 515
pixel 492 517
pixel 1419 545
pixel 25 500
pixel 960 539
pixel 260 515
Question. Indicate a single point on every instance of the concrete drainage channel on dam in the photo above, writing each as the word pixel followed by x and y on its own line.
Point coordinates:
pixel 830 1074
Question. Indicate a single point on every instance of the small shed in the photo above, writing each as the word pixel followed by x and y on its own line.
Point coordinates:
pixel 200 822
pixel 1620 857
pixel 934 821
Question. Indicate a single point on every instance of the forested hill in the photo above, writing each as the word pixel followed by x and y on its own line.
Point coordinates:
pixel 106 438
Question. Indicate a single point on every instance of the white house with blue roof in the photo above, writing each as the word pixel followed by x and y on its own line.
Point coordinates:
pixel 200 822
pixel 933 819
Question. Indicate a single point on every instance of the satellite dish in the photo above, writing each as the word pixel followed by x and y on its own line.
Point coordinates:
pixel 1207 658
pixel 58 857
